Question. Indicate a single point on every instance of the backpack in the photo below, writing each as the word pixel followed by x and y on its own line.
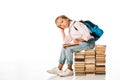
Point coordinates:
pixel 95 30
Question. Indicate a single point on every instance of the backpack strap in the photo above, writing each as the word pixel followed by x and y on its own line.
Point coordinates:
pixel 74 26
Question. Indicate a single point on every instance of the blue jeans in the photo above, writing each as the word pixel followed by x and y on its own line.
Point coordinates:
pixel 67 53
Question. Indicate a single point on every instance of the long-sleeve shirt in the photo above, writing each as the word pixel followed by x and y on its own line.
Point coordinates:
pixel 77 30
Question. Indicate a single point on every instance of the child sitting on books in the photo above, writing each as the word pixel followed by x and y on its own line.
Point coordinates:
pixel 78 39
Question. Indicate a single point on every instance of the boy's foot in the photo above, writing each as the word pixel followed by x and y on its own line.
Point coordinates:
pixel 54 70
pixel 67 72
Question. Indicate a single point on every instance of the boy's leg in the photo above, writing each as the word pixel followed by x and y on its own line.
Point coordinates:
pixel 69 55
pixel 79 47
pixel 62 57
pixel 60 66
pixel 70 67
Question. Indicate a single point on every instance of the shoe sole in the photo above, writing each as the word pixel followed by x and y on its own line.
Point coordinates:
pixel 51 72
pixel 65 75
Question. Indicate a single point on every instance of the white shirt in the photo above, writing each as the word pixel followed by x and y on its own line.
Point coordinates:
pixel 77 30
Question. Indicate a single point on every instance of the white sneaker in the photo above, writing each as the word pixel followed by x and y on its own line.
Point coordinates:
pixel 67 72
pixel 54 70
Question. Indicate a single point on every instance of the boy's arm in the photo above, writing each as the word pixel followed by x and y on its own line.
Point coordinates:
pixel 69 44
pixel 63 33
pixel 78 40
pixel 75 42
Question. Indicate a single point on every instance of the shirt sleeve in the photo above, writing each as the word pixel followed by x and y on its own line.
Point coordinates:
pixel 67 39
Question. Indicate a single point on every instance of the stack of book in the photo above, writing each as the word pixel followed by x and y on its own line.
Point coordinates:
pixel 90 61
pixel 100 59
pixel 79 63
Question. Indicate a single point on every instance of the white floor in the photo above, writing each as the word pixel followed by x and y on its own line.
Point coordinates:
pixel 97 77
pixel 35 71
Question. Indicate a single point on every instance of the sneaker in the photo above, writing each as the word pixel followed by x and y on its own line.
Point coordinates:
pixel 55 70
pixel 67 72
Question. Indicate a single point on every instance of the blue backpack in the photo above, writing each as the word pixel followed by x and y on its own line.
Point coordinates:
pixel 95 30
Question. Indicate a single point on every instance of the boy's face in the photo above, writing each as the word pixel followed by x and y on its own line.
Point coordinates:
pixel 62 23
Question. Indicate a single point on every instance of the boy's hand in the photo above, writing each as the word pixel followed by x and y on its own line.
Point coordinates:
pixel 68 45
pixel 78 40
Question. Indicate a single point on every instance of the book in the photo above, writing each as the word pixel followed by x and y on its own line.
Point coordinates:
pixel 90 61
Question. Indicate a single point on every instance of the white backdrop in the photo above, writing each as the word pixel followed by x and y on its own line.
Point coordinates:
pixel 29 38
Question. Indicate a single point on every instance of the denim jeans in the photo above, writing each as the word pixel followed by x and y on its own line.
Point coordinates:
pixel 67 53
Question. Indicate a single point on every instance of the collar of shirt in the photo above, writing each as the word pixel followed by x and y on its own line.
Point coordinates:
pixel 71 23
